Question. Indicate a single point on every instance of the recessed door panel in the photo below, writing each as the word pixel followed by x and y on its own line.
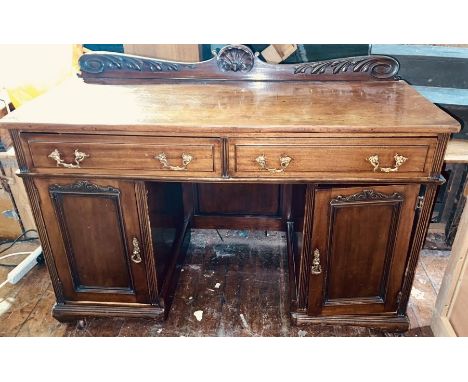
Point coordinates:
pixel 95 238
pixel 96 243
pixel 360 242
pixel 357 270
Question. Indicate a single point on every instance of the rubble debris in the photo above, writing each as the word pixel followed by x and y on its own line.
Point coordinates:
pixel 198 315
pixel 246 325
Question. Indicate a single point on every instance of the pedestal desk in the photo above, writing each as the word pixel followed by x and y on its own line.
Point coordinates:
pixel 122 162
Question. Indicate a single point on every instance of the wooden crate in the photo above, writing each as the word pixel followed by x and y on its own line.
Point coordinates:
pixel 277 53
pixel 15 210
pixel 176 52
pixel 451 311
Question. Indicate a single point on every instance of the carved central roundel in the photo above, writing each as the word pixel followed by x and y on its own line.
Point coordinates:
pixel 235 58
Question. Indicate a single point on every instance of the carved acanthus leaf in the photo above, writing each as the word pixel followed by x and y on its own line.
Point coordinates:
pixel 104 62
pixel 233 62
pixel 377 66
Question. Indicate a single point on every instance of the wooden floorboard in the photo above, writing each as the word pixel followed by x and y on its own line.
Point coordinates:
pixel 423 296
pixel 238 279
pixel 434 264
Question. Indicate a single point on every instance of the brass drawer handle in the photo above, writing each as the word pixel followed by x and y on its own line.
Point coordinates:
pixel 136 257
pixel 316 268
pixel 79 157
pixel 399 160
pixel 284 163
pixel 186 159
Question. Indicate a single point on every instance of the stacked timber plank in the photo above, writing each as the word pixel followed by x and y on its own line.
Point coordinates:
pixel 440 73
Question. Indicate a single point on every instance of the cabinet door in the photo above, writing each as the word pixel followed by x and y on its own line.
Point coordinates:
pixel 95 237
pixel 359 247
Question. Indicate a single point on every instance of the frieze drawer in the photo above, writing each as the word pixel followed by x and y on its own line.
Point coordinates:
pixel 367 158
pixel 167 157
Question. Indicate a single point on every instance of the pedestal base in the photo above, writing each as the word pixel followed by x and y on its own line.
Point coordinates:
pixel 384 322
pixel 70 311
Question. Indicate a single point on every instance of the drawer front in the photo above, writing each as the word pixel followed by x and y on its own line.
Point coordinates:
pixel 367 158
pixel 173 157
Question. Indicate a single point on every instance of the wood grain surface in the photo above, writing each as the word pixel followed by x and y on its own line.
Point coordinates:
pixel 322 157
pixel 328 128
pixel 234 106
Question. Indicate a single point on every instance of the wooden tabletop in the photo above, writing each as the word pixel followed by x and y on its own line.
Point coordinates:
pixel 359 106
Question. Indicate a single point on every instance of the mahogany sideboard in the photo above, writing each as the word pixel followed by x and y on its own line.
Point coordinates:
pixel 120 164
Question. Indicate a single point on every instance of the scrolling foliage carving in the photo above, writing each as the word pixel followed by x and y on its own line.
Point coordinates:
pixel 235 62
pixel 377 66
pixel 366 195
pixel 83 186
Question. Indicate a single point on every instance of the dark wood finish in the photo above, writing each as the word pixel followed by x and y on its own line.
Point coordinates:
pixel 239 222
pixel 241 206
pixel 141 195
pixel 165 211
pixel 295 223
pixel 34 199
pixel 230 63
pixel 244 199
pixel 227 108
pixel 173 272
pixel 439 154
pixel 170 234
pixel 324 158
pixel 369 242
pixel 93 255
pixel 362 235
pixel 73 311
pixel 389 322
pixel 110 155
pixel 418 236
pixel 306 255
pixel 19 150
